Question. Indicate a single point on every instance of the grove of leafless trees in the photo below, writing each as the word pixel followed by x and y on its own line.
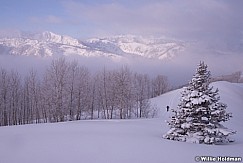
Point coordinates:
pixel 69 92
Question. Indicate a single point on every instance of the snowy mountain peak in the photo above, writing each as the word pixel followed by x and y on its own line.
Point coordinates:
pixel 155 48
pixel 49 44
pixel 48 36
pixel 52 37
pixel 126 38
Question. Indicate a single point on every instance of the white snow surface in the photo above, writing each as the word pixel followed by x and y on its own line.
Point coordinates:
pixel 47 44
pixel 119 141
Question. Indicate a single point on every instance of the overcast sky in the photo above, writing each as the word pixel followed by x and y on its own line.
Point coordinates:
pixel 213 23
pixel 192 19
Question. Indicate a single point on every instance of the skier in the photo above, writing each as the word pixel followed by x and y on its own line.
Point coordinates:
pixel 167 108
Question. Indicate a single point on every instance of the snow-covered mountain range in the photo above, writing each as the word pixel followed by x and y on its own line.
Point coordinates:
pixel 50 44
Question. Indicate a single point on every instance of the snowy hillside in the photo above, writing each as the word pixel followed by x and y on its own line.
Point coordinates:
pixel 230 93
pixel 49 44
pixel 46 44
pixel 145 47
pixel 120 141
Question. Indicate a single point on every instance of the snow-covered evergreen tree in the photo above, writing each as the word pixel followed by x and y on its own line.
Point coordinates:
pixel 199 113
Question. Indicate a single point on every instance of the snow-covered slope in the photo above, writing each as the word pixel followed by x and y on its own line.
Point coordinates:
pixel 49 44
pixel 145 47
pixel 46 44
pixel 230 94
pixel 120 141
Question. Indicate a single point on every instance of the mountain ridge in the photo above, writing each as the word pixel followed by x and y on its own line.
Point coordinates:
pixel 47 44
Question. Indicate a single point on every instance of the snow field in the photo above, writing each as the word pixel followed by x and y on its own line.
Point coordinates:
pixel 120 141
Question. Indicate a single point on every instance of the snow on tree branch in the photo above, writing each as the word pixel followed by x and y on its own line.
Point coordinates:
pixel 200 113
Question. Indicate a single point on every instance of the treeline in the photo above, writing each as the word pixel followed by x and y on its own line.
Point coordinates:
pixel 69 92
pixel 235 77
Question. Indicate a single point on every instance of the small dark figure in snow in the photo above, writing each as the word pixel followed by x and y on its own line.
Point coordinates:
pixel 167 108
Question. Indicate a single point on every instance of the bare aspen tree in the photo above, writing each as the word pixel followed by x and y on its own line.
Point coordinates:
pixel 69 92
pixel 15 88
pixel 159 85
pixel 47 99
pixel 26 103
pixel 56 82
pixel 82 91
pixel 71 88
pixel 123 93
pixel 4 95
pixel 142 95
pixel 107 93
pixel 32 96
pixel 93 96
pixel 111 94
pixel 103 87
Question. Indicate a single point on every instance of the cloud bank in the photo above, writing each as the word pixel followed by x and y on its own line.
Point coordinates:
pixel 201 19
